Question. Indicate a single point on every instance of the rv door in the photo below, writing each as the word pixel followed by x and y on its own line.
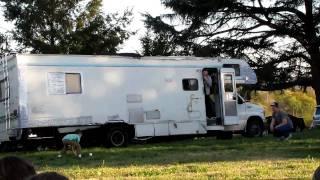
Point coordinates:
pixel 229 96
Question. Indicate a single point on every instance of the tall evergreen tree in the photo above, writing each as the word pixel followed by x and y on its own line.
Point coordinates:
pixel 160 44
pixel 280 38
pixel 4 43
pixel 65 26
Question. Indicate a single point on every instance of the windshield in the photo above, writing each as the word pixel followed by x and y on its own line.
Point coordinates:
pixel 317 110
pixel 240 100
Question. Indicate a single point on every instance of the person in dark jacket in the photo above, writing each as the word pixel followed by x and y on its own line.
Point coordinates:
pixel 281 125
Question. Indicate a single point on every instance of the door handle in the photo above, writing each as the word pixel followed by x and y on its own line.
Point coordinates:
pixel 192 97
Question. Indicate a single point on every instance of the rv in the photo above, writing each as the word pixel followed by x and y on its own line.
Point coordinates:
pixel 118 98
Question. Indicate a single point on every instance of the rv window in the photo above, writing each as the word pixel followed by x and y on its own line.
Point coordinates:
pixel 190 84
pixel 73 83
pixel 236 68
pixel 2 90
pixel 228 85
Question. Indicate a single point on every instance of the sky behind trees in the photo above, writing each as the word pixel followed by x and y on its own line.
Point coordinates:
pixel 153 7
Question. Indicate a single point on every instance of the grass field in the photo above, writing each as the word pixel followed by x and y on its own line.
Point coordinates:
pixel 201 158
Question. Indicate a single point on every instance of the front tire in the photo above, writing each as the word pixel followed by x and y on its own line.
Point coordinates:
pixel 117 137
pixel 254 129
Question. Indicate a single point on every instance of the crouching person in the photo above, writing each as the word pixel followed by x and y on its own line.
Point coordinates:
pixel 281 125
pixel 72 142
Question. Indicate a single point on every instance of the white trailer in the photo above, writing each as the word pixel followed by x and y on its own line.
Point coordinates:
pixel 121 97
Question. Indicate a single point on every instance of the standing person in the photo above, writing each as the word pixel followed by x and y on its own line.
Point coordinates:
pixel 207 80
pixel 281 125
pixel 72 141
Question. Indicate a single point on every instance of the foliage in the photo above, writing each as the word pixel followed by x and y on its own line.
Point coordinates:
pixel 297 102
pixel 157 45
pixel 4 45
pixel 197 158
pixel 280 39
pixel 56 26
pixel 162 41
pixel 102 36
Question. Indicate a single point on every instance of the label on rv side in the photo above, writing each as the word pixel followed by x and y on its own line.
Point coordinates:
pixel 56 83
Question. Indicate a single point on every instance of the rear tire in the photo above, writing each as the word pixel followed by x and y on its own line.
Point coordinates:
pixel 254 128
pixel 117 137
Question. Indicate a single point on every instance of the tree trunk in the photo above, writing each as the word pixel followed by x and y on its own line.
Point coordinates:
pixel 313 48
pixel 316 83
pixel 315 71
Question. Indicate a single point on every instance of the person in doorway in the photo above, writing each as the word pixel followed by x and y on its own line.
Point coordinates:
pixel 281 125
pixel 207 80
pixel 72 142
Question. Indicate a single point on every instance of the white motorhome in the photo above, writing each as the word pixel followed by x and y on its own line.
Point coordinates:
pixel 122 97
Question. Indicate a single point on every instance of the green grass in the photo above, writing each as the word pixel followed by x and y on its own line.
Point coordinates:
pixel 203 158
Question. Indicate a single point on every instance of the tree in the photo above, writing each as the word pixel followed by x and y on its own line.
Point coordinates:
pixel 161 40
pixel 279 38
pixel 65 26
pixel 103 35
pixel 4 43
pixel 160 44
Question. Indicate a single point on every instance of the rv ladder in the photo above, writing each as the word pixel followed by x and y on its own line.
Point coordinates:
pixel 6 92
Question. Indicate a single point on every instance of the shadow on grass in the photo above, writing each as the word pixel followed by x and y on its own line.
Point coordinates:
pixel 208 149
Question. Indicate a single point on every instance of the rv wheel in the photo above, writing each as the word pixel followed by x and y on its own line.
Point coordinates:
pixel 117 137
pixel 254 129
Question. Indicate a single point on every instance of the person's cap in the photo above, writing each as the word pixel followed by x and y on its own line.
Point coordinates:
pixel 275 104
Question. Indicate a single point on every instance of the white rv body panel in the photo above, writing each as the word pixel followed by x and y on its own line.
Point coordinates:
pixel 145 92
pixel 106 96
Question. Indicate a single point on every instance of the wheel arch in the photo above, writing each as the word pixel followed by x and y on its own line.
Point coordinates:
pixel 128 128
pixel 254 118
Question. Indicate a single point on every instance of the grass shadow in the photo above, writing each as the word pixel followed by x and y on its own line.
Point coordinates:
pixel 208 149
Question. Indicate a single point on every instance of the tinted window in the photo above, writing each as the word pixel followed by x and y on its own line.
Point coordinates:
pixel 236 68
pixel 240 101
pixel 318 111
pixel 2 90
pixel 228 85
pixel 190 84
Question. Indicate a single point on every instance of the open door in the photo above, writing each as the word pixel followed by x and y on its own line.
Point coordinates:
pixel 229 97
